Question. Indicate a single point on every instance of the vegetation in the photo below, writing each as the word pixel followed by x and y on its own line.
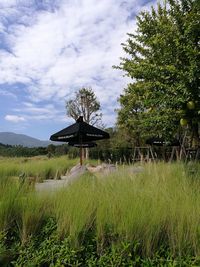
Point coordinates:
pixel 85 104
pixel 20 151
pixel 145 215
pixel 38 168
pixel 128 218
pixel 111 150
pixel 163 62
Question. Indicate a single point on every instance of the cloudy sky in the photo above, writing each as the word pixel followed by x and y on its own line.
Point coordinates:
pixel 51 48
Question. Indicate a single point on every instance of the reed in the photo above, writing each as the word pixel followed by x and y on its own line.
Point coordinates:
pixel 38 167
pixel 158 207
pixel 33 213
pixel 74 208
pixel 9 192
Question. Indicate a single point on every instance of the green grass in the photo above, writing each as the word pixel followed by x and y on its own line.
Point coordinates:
pixel 75 207
pixel 160 206
pixel 38 167
pixel 157 208
pixel 8 205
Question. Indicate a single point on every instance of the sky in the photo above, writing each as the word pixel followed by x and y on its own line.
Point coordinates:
pixel 49 49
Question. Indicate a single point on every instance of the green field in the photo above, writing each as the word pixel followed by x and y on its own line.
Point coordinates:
pixel 38 167
pixel 126 218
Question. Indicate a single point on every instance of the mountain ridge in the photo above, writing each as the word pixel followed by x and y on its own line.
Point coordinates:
pixel 10 138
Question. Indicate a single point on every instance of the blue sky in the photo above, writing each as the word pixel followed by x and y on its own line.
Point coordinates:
pixel 51 48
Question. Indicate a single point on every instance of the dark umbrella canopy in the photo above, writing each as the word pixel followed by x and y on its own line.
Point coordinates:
pixel 79 132
pixel 158 141
pixel 83 145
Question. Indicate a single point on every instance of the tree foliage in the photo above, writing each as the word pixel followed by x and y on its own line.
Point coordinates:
pixel 20 151
pixel 84 104
pixel 163 62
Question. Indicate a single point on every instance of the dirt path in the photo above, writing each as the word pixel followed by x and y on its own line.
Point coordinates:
pixel 73 175
pixel 52 185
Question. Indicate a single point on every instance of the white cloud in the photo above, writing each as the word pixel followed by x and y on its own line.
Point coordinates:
pixel 7 3
pixel 74 46
pixel 14 118
pixel 34 112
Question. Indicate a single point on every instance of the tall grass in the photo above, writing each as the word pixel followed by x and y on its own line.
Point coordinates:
pixel 34 211
pixel 75 207
pixel 8 204
pixel 22 211
pixel 159 207
pixel 38 167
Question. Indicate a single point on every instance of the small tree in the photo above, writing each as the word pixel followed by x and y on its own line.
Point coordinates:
pixel 85 104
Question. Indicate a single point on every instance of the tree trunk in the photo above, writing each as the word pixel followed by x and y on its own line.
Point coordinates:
pixel 86 153
pixel 195 135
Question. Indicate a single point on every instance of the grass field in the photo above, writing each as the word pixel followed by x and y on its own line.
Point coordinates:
pixel 39 167
pixel 151 218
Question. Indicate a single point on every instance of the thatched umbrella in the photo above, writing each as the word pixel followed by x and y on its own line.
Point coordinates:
pixel 80 134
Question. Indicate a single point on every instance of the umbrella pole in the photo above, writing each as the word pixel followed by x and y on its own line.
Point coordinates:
pixel 81 152
pixel 81 156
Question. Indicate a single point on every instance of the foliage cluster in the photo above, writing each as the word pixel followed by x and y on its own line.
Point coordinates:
pixel 163 63
pixel 20 151
pixel 85 104
pixel 111 150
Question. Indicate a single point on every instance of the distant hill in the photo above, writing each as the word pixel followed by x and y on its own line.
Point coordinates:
pixel 8 138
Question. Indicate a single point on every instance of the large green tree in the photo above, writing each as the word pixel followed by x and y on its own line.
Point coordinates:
pixel 163 62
